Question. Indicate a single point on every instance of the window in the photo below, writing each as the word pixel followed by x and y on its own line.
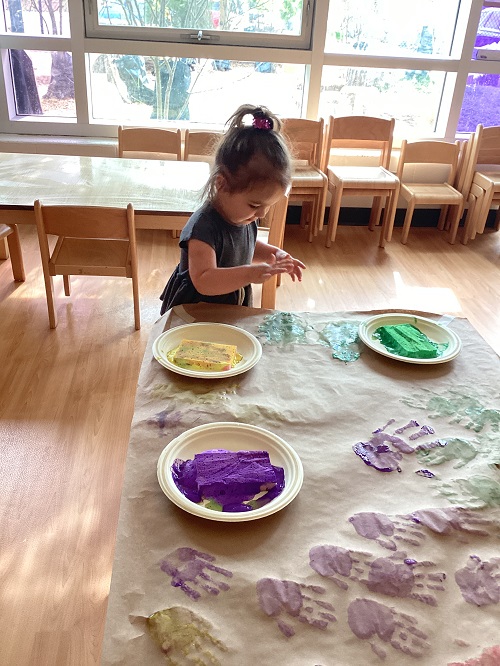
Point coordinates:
pixel 481 103
pixel 431 64
pixel 139 89
pixel 392 27
pixel 277 23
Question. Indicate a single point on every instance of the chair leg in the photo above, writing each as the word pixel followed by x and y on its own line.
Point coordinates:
pixel 454 222
pixel 443 218
pixel 333 216
pixel 407 222
pixel 469 219
pixel 67 285
pixel 137 305
pixel 49 290
pixel 375 213
pixel 16 255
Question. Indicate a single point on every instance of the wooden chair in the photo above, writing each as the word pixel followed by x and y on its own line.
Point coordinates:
pixel 482 180
pixel 309 183
pixel 442 193
pixel 359 138
pixel 200 145
pixel 91 241
pixel 149 143
pixel 11 234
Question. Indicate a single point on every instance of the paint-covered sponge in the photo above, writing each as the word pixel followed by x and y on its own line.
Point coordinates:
pixel 229 480
pixel 407 340
pixel 199 355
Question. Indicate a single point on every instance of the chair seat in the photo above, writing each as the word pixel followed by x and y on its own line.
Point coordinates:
pixel 431 193
pixel 354 177
pixel 92 256
pixel 307 176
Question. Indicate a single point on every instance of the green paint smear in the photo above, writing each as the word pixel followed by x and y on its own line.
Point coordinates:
pixel 184 637
pixel 477 492
pixel 284 328
pixel 460 407
pixel 454 448
pixel 343 338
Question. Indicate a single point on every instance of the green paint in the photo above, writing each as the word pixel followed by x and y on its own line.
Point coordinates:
pixel 184 637
pixel 343 338
pixel 477 492
pixel 284 328
pixel 464 408
pixel 455 448
pixel 213 505
pixel 408 341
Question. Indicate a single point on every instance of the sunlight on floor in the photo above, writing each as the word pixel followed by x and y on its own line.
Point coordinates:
pixel 430 299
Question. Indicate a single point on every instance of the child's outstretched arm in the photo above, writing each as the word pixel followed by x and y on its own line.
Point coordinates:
pixel 265 252
pixel 210 280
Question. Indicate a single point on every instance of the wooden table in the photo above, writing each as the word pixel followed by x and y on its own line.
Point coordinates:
pixel 164 193
pixel 364 566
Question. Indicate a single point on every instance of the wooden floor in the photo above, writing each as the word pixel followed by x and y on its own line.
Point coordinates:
pixel 67 397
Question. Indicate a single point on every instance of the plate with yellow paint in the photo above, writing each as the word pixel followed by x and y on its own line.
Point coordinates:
pixel 442 337
pixel 247 347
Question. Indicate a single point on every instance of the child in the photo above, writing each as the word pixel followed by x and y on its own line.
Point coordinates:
pixel 220 254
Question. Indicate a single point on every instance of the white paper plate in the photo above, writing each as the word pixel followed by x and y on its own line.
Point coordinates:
pixel 430 328
pixel 233 437
pixel 248 346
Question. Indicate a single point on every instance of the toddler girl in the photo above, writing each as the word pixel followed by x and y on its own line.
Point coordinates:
pixel 220 254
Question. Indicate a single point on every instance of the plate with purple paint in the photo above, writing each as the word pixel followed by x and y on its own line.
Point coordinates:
pixel 230 472
pixel 394 335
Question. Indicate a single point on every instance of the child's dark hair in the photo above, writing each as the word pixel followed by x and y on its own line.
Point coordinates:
pixel 251 154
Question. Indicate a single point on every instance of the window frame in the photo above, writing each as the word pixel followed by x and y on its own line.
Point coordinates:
pixel 192 36
pixel 458 67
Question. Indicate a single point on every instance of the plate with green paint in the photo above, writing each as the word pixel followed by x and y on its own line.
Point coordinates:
pixel 409 338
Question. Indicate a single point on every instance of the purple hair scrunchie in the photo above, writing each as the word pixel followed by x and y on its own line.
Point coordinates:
pixel 262 122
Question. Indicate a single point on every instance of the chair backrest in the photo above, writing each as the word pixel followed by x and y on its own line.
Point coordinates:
pixel 149 143
pixel 200 145
pixel 305 139
pixel 429 152
pixel 86 221
pixel 367 133
pixel 484 149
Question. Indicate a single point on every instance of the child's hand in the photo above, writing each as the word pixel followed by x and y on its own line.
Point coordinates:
pixel 260 273
pixel 293 266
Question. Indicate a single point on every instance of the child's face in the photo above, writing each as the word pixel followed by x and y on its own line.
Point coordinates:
pixel 244 207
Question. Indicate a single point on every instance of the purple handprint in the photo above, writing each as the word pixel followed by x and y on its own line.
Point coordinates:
pixel 286 597
pixel 191 568
pixel 393 531
pixel 381 624
pixel 392 576
pixel 371 525
pixel 479 581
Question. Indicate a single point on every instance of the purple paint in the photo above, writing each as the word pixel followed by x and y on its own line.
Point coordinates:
pixel 369 620
pixel 191 569
pixel 479 582
pixel 424 430
pixel 430 445
pixel 449 520
pixel 372 525
pixel 411 424
pixel 389 422
pixel 277 597
pixel 379 456
pixel 425 472
pixel 232 479
pixel 385 575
